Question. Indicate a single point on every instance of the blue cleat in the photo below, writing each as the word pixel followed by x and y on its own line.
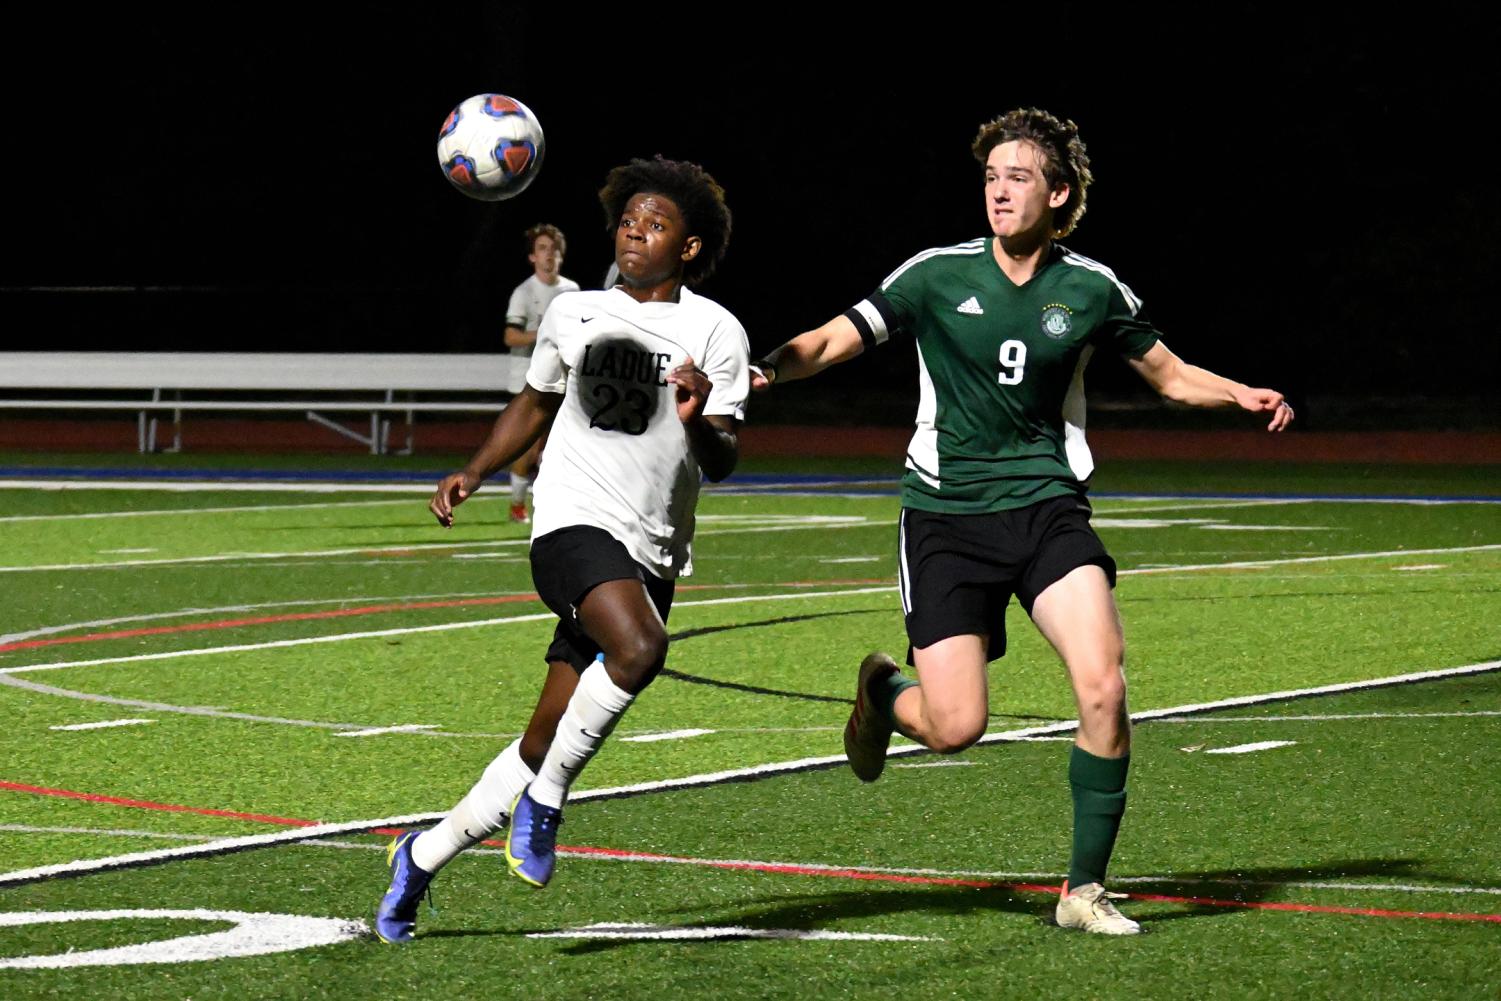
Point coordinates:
pixel 396 917
pixel 531 843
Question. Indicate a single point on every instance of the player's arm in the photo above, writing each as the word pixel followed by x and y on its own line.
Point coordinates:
pixel 713 439
pixel 808 353
pixel 1174 379
pixel 522 422
pixel 515 337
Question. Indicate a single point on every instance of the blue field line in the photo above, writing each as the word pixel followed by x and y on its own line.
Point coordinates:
pixel 746 482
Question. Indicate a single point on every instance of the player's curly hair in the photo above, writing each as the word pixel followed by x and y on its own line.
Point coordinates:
pixel 547 229
pixel 696 194
pixel 1064 160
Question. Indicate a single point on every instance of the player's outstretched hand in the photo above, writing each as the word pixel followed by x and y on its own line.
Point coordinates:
pixel 452 491
pixel 693 388
pixel 759 382
pixel 1266 400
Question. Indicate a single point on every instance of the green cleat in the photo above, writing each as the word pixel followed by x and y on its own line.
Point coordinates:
pixel 868 732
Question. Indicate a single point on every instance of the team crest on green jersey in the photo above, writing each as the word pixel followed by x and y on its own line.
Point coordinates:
pixel 1057 320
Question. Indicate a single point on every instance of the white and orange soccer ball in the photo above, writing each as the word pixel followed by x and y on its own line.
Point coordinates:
pixel 490 147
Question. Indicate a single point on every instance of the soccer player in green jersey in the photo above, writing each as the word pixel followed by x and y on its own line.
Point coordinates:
pixel 993 498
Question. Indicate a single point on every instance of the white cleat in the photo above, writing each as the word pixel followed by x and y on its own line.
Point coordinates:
pixel 1089 909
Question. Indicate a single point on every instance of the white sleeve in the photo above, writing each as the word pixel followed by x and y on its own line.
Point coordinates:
pixel 728 368
pixel 547 373
pixel 516 308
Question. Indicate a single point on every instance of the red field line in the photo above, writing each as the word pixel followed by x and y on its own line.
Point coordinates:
pixel 339 613
pixel 145 804
pixel 797 870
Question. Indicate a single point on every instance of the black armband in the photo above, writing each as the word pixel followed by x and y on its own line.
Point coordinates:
pixel 874 318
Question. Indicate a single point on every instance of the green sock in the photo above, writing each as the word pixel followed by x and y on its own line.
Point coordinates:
pixel 883 693
pixel 1099 788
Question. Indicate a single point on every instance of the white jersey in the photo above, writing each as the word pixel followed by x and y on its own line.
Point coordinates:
pixel 528 304
pixel 618 457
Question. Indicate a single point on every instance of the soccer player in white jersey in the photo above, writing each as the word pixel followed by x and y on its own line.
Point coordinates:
pixel 993 500
pixel 645 386
pixel 545 247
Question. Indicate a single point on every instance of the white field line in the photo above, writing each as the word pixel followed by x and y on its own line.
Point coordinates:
pixel 1260 745
pixel 105 832
pixel 1106 506
pixel 223 486
pixel 378 730
pixel 633 930
pixel 934 764
pixel 103 725
pixel 1184 503
pixel 277 644
pixel 1268 528
pixel 813 522
pixel 1311 718
pixel 649 738
pixel 217 847
pixel 224 557
pixel 6 638
pixel 236 509
pixel 1290 561
pixel 167 707
pixel 409 630
pixel 738 488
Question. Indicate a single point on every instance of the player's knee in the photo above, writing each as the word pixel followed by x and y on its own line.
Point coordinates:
pixel 1102 692
pixel 634 662
pixel 954 734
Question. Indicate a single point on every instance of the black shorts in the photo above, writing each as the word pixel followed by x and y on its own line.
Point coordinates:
pixel 959 571
pixel 571 562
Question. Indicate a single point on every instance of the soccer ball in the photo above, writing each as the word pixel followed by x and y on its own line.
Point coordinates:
pixel 490 147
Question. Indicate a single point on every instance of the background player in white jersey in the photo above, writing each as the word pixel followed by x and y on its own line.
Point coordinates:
pixel 993 500
pixel 545 247
pixel 645 387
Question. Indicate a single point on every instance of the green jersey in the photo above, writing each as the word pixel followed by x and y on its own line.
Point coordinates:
pixel 1000 417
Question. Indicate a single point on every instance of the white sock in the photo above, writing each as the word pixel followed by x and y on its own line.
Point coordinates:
pixel 592 713
pixel 478 815
pixel 519 486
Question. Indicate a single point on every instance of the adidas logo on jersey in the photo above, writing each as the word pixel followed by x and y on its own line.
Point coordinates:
pixel 971 306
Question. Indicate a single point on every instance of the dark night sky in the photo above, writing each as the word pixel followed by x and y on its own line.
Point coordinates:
pixel 1300 202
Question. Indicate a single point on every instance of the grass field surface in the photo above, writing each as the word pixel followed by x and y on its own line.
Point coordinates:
pixel 218 679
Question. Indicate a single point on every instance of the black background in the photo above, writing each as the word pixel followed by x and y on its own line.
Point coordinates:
pixel 1303 200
